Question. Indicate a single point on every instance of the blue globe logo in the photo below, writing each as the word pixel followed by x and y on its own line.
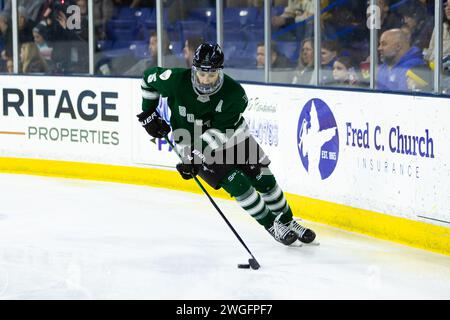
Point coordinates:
pixel 318 139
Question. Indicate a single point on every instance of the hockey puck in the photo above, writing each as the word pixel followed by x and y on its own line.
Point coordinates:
pixel 243 266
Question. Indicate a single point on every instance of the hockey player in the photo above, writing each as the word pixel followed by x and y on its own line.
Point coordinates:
pixel 209 131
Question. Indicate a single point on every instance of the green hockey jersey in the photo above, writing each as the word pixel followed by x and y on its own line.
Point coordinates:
pixel 220 112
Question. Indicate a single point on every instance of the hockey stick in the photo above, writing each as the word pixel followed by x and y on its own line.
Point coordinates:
pixel 251 262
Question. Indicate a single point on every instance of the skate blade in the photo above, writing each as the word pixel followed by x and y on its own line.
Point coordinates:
pixel 312 244
pixel 299 244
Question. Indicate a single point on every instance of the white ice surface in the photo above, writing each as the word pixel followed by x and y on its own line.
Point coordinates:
pixel 73 239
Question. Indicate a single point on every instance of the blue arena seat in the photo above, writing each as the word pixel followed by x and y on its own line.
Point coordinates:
pixel 121 44
pixel 242 54
pixel 122 24
pixel 234 32
pixel 146 24
pixel 123 35
pixel 250 49
pixel 276 11
pixel 140 21
pixel 241 15
pixel 121 29
pixel 145 14
pixel 254 32
pixel 139 49
pixel 104 45
pixel 191 28
pixel 289 48
pixel 146 27
pixel 125 12
pixel 232 50
pixel 242 62
pixel 146 17
pixel 135 13
pixel 116 53
pixel 177 48
pixel 207 15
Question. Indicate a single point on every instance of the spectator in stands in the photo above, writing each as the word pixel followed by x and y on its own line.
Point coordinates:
pixel 42 12
pixel 344 23
pixel 364 68
pixel 260 55
pixel 4 56
pixel 388 19
pixel 329 53
pixel 104 10
pixel 83 32
pixel 429 52
pixel 39 36
pixel 419 79
pixel 344 73
pixel 6 35
pixel 10 66
pixel 429 5
pixel 57 35
pixel 31 60
pixel 70 44
pixel 278 59
pixel 397 57
pixel 32 9
pixel 298 12
pixel 152 59
pixel 420 26
pixel 190 45
pixel 24 25
pixel 170 59
pixel 305 66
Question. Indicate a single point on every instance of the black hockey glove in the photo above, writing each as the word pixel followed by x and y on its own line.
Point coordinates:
pixel 191 163
pixel 153 124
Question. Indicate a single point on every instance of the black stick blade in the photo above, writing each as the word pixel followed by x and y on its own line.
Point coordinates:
pixel 253 264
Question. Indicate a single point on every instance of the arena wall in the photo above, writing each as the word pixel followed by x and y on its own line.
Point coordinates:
pixel 373 163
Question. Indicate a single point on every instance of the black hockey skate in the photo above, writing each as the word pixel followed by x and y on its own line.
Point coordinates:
pixel 282 233
pixel 305 235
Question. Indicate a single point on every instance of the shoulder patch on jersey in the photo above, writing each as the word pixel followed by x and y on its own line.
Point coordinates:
pixel 151 78
pixel 165 75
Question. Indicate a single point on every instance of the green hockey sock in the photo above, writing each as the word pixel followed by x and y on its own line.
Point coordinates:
pixel 240 187
pixel 272 195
